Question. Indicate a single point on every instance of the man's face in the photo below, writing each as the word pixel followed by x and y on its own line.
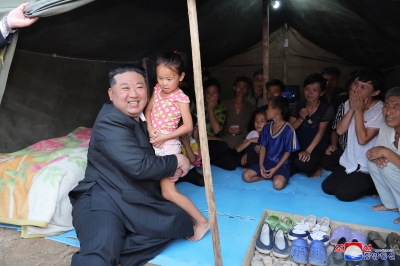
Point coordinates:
pixel 257 85
pixel 391 111
pixel 129 94
pixel 274 90
pixel 241 89
pixel 332 81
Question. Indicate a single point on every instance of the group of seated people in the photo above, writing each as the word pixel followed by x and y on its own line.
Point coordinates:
pixel 352 132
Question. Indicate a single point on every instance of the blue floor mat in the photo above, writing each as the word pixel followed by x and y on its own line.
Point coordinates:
pixel 240 206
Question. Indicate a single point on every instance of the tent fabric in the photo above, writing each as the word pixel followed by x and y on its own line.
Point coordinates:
pixel 291 64
pixel 36 8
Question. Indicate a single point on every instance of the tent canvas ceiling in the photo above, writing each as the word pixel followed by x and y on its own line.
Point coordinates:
pixel 44 84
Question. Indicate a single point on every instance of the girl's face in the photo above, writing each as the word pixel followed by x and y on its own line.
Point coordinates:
pixel 211 94
pixel 365 89
pixel 167 79
pixel 312 92
pixel 259 122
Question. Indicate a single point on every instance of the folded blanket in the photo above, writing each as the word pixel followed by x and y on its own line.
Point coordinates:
pixel 34 183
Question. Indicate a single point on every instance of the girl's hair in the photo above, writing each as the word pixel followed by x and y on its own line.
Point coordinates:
pixel 176 61
pixel 260 110
pixel 313 78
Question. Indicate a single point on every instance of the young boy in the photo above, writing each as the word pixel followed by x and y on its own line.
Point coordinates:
pixel 278 140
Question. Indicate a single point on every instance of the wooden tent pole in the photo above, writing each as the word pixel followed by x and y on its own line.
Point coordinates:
pixel 265 48
pixel 194 36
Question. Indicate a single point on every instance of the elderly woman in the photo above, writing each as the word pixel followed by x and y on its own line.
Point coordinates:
pixel 239 112
pixel 384 158
pixel 215 114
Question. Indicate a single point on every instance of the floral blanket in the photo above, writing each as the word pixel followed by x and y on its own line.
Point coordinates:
pixel 34 183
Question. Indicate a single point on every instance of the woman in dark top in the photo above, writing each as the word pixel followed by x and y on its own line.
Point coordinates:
pixel 310 118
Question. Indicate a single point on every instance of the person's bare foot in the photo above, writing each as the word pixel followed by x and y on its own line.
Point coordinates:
pixel 397 221
pixel 317 173
pixel 381 207
pixel 200 229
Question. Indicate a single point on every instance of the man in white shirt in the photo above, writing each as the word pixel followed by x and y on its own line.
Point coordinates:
pixel 384 158
pixel 14 20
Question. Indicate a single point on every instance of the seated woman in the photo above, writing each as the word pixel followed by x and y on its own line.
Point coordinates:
pixel 239 112
pixel 384 158
pixel 215 115
pixel 362 120
pixel 310 119
pixel 250 145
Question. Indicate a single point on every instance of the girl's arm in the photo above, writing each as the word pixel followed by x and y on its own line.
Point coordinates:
pixel 295 122
pixel 185 128
pixel 321 130
pixel 147 114
pixel 343 125
pixel 246 143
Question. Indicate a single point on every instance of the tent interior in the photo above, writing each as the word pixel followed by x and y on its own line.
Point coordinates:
pixel 58 77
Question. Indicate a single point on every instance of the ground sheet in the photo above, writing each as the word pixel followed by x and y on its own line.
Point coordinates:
pixel 239 207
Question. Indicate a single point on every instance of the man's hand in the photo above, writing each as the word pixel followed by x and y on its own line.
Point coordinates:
pixel 16 18
pixel 378 155
pixel 183 164
pixel 330 149
pixel 158 141
pixel 176 176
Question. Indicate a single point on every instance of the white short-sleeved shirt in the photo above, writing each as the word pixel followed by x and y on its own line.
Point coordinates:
pixel 354 154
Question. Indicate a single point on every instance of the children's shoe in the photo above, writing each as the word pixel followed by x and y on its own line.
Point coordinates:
pixel 321 231
pixel 264 241
pixel 299 251
pixel 273 220
pixel 318 256
pixel 280 246
pixel 302 230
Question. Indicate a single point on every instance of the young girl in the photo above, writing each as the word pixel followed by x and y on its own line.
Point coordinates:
pixel 362 119
pixel 250 144
pixel 163 112
pixel 310 119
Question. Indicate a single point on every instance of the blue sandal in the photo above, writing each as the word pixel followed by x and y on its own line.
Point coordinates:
pixel 299 251
pixel 318 254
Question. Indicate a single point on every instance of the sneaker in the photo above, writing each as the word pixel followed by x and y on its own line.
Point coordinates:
pixel 280 247
pixel 302 230
pixel 321 231
pixel 264 241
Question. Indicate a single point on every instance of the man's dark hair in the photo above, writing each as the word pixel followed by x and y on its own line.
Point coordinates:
pixel 120 69
pixel 331 70
pixel 243 79
pixel 375 76
pixel 313 78
pixel 275 82
pixel 258 72
pixel 282 104
pixel 211 82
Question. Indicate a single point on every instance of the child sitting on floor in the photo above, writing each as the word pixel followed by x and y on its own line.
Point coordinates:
pixel 278 140
pixel 250 145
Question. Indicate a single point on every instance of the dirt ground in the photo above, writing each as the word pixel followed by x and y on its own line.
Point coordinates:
pixel 17 251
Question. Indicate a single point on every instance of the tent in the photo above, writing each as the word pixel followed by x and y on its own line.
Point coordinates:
pixel 58 76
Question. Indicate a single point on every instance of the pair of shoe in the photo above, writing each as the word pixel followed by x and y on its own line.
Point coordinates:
pixel 346 232
pixel 275 222
pixel 341 257
pixel 268 242
pixel 309 229
pixel 317 256
pixel 377 242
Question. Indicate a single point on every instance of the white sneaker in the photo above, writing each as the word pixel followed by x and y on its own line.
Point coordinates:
pixel 302 230
pixel 321 231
